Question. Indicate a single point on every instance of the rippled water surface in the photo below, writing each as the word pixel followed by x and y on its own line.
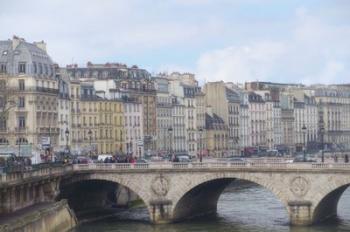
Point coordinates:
pixel 242 207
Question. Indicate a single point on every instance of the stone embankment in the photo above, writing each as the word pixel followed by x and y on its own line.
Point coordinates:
pixel 55 216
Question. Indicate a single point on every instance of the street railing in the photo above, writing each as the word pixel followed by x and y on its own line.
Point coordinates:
pixel 49 171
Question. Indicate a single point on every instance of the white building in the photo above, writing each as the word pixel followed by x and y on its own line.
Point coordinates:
pixel 177 136
pixel 258 120
pixel 133 126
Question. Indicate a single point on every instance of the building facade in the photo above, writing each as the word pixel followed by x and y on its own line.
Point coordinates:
pixel 28 97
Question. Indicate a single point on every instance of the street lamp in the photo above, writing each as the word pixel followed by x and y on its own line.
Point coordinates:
pixel 90 137
pixel 200 145
pixel 67 136
pixel 322 145
pixel 303 129
pixel 19 147
pixel 170 131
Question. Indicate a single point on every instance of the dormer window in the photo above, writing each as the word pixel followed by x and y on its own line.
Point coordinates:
pixel 22 67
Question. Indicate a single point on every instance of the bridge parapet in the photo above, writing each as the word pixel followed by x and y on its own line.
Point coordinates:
pixel 16 177
pixel 223 165
pixel 62 170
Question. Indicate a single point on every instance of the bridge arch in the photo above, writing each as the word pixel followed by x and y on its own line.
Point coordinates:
pixel 116 179
pixel 202 193
pixel 326 202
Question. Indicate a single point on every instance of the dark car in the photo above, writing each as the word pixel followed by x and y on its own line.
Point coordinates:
pixel 301 159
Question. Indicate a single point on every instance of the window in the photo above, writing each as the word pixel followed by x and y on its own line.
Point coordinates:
pixel 34 68
pixel 21 84
pixel 46 69
pixel 2 84
pixel 22 67
pixel 21 102
pixel 2 102
pixel 3 123
pixel 41 69
pixel 21 122
pixel 3 68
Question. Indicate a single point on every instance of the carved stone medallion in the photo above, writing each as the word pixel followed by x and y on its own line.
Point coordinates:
pixel 299 186
pixel 160 185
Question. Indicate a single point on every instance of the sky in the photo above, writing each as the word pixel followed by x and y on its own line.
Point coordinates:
pixel 299 41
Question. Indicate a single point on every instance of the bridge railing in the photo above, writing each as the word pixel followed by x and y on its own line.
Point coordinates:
pixel 38 172
pixel 213 165
pixel 60 170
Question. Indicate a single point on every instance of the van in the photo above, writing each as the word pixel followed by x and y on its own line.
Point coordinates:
pixel 184 159
pixel 102 158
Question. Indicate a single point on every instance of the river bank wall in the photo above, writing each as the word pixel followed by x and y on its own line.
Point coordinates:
pixel 55 217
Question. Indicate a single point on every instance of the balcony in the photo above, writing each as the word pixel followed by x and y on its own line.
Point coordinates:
pixel 49 130
pixel 4 130
pixel 21 129
pixel 21 110
pixel 47 90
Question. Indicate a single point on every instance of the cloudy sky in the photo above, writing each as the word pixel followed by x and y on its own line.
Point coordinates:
pixel 231 40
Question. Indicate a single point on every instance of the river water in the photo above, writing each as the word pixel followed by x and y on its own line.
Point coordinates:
pixel 242 207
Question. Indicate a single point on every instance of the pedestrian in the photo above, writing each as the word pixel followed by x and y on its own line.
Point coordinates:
pixel 335 158
pixel 346 158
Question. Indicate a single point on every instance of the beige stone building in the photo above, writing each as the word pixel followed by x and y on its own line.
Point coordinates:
pixel 118 81
pixel 216 135
pixel 97 123
pixel 225 103
pixel 29 95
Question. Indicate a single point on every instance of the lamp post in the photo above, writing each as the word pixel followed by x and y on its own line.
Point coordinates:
pixel 200 145
pixel 67 137
pixel 90 137
pixel 19 147
pixel 303 129
pixel 170 131
pixel 322 141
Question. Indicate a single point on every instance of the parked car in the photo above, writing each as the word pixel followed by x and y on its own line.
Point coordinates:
pixel 183 159
pixel 301 159
pixel 102 158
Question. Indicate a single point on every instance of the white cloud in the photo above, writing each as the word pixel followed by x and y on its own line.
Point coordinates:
pixel 242 63
pixel 316 52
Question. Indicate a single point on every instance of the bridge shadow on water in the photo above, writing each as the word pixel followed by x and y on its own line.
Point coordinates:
pixel 241 206
pixel 93 200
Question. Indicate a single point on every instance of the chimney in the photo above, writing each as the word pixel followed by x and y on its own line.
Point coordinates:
pixel 41 45
pixel 16 41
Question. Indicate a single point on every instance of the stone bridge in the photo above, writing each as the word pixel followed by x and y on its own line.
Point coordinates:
pixel 175 191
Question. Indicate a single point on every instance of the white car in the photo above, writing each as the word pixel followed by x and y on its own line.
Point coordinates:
pixel 103 157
